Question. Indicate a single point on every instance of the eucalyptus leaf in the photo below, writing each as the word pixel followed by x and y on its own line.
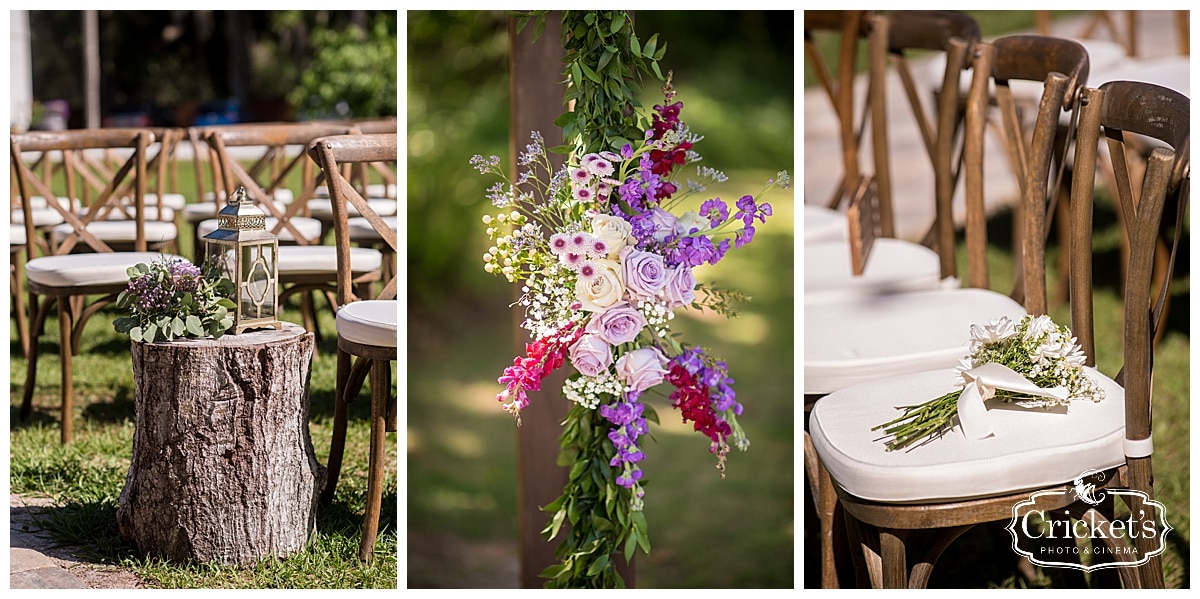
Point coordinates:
pixel 194 326
pixel 135 333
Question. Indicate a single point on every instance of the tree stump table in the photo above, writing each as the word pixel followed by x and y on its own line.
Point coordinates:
pixel 223 468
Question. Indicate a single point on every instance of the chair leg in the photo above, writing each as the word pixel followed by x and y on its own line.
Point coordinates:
pixel 64 352
pixel 379 396
pixel 337 446
pixel 40 311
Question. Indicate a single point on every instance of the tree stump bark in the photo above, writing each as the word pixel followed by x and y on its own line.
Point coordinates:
pixel 223 468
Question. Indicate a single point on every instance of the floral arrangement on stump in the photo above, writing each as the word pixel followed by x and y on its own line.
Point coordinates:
pixel 604 254
pixel 172 298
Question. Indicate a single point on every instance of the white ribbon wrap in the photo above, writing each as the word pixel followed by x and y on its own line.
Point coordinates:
pixel 982 384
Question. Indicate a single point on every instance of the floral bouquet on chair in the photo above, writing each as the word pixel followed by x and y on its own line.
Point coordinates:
pixel 604 257
pixel 1034 363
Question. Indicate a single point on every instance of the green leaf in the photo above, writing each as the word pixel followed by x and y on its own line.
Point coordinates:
pixel 556 523
pixel 630 546
pixel 604 60
pixel 590 74
pixel 635 45
pixel 589 18
pixel 650 47
pixel 135 333
pixel 577 469
pixel 654 66
pixel 598 565
pixel 617 24
pixel 661 52
pixel 178 327
pixel 576 74
pixel 553 571
pixel 149 333
pixel 563 149
pixel 194 325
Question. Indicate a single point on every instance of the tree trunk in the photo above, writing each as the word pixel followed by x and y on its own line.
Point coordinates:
pixel 223 467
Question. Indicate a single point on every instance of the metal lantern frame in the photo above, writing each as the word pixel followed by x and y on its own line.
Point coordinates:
pixel 248 255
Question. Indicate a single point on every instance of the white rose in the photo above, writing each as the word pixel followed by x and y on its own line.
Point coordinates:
pixel 614 230
pixel 601 290
pixel 690 220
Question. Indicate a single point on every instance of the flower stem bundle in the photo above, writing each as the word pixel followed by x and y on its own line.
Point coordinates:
pixel 1044 353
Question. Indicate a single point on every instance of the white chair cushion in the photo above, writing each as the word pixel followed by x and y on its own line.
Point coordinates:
pixel 42 217
pixel 320 208
pixel 893 265
pixel 322 259
pixel 824 224
pixel 851 341
pixel 16 235
pixel 194 213
pixel 149 213
pixel 281 195
pixel 310 228
pixel 369 322
pixel 361 230
pixel 174 201
pixel 75 270
pixel 1029 448
pixel 377 190
pixel 118 231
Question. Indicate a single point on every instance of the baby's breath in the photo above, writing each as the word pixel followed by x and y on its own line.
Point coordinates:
pixel 589 391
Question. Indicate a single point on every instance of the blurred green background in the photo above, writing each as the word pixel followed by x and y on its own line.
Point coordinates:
pixel 734 73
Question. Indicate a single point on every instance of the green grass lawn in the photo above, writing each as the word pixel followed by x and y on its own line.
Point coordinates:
pixel 85 478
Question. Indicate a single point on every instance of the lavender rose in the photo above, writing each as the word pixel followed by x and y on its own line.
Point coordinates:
pixel 591 355
pixel 618 324
pixel 642 368
pixel 681 285
pixel 664 223
pixel 645 274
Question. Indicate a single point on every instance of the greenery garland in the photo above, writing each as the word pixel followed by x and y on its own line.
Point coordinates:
pixel 604 65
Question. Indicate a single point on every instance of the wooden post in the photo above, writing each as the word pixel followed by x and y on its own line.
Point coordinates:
pixel 536 93
pixel 223 467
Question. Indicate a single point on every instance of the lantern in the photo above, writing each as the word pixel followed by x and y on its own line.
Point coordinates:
pixel 248 255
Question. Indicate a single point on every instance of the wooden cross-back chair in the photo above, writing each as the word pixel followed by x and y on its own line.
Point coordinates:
pixel 901 264
pixel 62 276
pixel 306 266
pixel 366 327
pixel 850 342
pixel 904 508
pixel 375 181
pixel 1125 34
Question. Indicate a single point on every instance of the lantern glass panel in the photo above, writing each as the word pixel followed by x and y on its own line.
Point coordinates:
pixel 258 297
pixel 222 255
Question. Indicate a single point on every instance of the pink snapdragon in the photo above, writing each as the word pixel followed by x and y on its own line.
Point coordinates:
pixel 526 373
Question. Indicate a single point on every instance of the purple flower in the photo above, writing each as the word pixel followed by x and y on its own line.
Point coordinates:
pixel 715 211
pixel 645 274
pixel 681 285
pixel 591 355
pixel 642 368
pixel 618 324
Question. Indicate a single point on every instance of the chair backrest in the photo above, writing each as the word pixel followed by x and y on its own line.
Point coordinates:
pixel 87 179
pixel 332 155
pixel 1118 112
pixel 893 35
pixel 1060 66
pixel 279 148
pixel 890 37
pixel 852 27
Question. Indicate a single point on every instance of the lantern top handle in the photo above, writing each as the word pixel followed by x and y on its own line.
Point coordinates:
pixel 238 197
